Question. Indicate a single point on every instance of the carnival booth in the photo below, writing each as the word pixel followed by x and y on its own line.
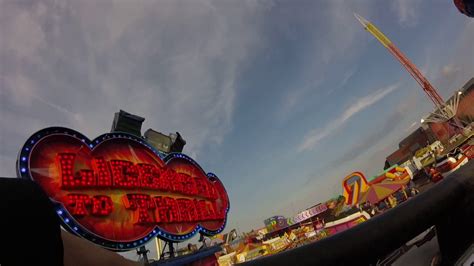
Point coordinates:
pixel 450 163
pixel 279 225
pixel 346 222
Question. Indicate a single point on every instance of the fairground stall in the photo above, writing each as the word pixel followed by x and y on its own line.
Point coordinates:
pixel 395 182
pixel 281 233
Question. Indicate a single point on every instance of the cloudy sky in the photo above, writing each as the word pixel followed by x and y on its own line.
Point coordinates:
pixel 281 99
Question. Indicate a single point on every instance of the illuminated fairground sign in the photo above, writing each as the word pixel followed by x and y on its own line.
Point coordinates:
pixel 118 193
pixel 306 214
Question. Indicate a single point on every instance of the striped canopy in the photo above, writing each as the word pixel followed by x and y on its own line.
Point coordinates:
pixel 380 191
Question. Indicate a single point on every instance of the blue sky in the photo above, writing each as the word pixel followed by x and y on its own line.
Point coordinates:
pixel 281 99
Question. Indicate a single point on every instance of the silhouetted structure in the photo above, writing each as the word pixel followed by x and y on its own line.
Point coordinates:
pixel 178 143
pixel 132 124
pixel 126 122
pixel 171 143
pixel 409 145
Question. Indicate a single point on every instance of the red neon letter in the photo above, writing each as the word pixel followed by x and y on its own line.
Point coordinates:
pixel 166 179
pixel 104 178
pixel 202 210
pixel 211 211
pixel 148 176
pixel 161 211
pixel 190 187
pixel 178 181
pixel 193 210
pixel 202 189
pixel 102 205
pixel 76 204
pixel 124 174
pixel 65 162
pixel 167 210
pixel 141 204
pixel 87 178
pixel 187 210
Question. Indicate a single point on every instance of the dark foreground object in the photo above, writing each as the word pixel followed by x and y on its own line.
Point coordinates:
pixel 30 233
pixel 29 227
pixel 449 205
pixel 191 259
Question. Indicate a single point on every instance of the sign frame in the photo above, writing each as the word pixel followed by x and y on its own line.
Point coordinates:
pixel 73 226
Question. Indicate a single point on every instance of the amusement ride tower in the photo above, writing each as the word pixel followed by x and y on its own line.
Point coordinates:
pixel 444 112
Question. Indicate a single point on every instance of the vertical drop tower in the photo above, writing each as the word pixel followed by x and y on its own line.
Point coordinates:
pixel 447 112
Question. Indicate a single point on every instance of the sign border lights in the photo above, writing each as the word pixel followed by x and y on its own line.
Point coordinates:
pixel 70 223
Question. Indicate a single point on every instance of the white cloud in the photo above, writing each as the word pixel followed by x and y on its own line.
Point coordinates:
pixel 334 38
pixel 449 75
pixel 411 126
pixel 316 135
pixel 342 29
pixel 294 97
pixel 448 70
pixel 347 76
pixel 407 11
pixel 26 36
pixel 75 63
pixel 345 79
